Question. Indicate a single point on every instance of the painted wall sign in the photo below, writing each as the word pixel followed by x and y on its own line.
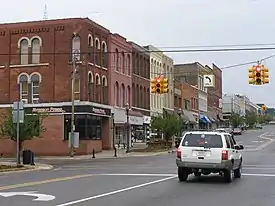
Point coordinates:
pixel 48 110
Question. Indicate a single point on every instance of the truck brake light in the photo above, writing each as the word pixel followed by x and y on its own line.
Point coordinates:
pixel 178 152
pixel 224 155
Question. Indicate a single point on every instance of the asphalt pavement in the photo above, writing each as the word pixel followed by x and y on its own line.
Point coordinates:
pixel 135 181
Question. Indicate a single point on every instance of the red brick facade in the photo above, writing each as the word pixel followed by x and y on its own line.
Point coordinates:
pixel 38 57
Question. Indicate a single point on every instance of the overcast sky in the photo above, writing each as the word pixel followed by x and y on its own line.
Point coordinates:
pixel 174 23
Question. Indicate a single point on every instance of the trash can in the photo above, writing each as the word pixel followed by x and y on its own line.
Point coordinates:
pixel 27 157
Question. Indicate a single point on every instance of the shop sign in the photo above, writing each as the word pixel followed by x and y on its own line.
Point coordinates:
pixel 147 120
pixel 101 111
pixel 134 120
pixel 48 110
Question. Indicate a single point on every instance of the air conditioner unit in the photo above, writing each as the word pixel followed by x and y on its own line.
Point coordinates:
pixel 25 101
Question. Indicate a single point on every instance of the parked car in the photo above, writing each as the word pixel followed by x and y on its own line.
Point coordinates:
pixel 237 131
pixel 224 130
pixel 209 152
pixel 259 126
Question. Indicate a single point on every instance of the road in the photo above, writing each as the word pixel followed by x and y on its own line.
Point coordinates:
pixel 135 181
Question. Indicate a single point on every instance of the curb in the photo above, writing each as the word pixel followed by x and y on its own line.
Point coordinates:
pixel 30 169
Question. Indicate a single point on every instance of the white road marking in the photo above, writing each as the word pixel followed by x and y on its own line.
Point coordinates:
pixel 148 175
pixel 258 175
pixel 116 191
pixel 255 141
pixel 257 168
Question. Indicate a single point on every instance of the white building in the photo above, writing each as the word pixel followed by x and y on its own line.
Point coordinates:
pixel 168 72
pixel 156 68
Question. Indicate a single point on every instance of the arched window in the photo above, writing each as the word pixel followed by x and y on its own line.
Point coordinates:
pixel 90 86
pixel 123 62
pixel 90 41
pixel 128 94
pixel 117 60
pixel 129 65
pixel 77 88
pixel 24 88
pixel 104 90
pixel 137 95
pixel 140 66
pixel 141 97
pixel 98 89
pixel 76 48
pixel 137 64
pixel 116 94
pixel 97 52
pixel 24 52
pixel 104 54
pixel 35 44
pixel 145 97
pixel 148 99
pixel 133 95
pixel 123 95
pixel 35 84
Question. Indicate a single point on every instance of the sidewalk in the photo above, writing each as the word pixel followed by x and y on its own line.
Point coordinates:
pixel 106 154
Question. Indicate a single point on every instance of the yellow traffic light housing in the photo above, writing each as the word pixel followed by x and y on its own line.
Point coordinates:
pixel 264 108
pixel 153 85
pixel 251 75
pixel 265 75
pixel 158 85
pixel 258 75
pixel 165 85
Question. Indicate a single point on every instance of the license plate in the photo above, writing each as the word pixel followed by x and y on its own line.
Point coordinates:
pixel 201 153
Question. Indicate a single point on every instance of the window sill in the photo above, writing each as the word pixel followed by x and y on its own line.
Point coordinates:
pixel 28 65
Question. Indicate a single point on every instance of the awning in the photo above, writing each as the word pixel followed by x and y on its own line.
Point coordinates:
pixel 190 116
pixel 212 116
pixel 220 118
pixel 205 119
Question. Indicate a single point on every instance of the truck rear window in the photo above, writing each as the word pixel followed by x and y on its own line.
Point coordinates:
pixel 202 140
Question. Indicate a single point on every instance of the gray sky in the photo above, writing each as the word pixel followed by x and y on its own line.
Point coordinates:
pixel 172 23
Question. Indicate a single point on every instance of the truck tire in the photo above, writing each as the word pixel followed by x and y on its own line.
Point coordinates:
pixel 182 174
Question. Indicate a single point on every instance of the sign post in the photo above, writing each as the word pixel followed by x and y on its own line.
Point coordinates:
pixel 17 118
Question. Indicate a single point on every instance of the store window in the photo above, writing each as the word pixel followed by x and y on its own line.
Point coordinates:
pixel 88 126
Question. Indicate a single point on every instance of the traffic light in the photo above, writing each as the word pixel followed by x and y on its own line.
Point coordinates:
pixel 164 85
pixel 264 108
pixel 153 85
pixel 258 75
pixel 265 75
pixel 158 86
pixel 251 75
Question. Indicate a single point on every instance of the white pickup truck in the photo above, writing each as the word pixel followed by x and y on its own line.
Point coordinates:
pixel 202 152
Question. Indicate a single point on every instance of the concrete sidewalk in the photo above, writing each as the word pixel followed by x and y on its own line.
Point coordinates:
pixel 106 154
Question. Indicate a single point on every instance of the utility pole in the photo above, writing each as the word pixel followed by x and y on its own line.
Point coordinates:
pixel 72 114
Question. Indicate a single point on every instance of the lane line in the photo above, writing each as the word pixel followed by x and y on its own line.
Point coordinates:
pixel 27 184
pixel 116 191
pixel 141 174
pixel 258 175
pixel 258 168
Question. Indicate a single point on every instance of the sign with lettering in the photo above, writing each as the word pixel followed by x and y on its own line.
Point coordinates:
pixel 48 110
pixel 134 120
pixel 99 111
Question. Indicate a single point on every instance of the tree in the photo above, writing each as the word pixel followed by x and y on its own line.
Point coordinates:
pixel 236 120
pixel 168 125
pixel 32 127
pixel 251 118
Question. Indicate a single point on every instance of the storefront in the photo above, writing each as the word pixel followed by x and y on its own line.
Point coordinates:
pixel 147 123
pixel 93 123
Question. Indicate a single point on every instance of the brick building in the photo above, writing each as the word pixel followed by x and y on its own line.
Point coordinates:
pixel 120 77
pixel 185 99
pixel 214 98
pixel 38 71
pixel 140 90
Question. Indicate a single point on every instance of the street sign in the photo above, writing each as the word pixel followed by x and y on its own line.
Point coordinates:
pixel 39 197
pixel 21 116
pixel 15 105
pixel 209 80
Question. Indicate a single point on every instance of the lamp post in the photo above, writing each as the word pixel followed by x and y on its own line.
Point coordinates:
pixel 113 127
pixel 74 59
pixel 127 128
pixel 179 113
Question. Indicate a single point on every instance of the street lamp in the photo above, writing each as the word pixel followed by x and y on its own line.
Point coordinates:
pixel 127 128
pixel 180 113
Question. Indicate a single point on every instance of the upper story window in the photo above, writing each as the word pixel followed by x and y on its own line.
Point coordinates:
pixel 90 41
pixel 29 87
pixel 123 62
pixel 34 44
pixel 76 48
pixel 129 64
pixel 97 52
pixel 104 52
pixel 116 60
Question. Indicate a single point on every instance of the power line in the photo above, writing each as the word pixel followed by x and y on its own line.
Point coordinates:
pixel 216 46
pixel 156 51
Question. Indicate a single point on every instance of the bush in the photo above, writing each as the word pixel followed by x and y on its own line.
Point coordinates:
pixel 159 144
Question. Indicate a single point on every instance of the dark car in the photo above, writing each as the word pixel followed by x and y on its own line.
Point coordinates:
pixel 237 131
